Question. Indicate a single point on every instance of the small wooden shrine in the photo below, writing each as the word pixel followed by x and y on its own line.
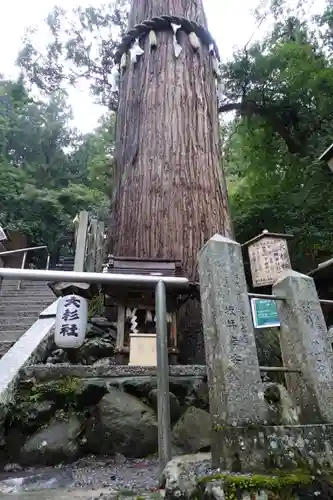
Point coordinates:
pixel 133 307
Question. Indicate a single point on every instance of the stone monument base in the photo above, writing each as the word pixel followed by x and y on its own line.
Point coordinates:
pixel 189 477
pixel 267 448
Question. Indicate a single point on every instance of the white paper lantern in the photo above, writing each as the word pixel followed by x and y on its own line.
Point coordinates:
pixel 71 322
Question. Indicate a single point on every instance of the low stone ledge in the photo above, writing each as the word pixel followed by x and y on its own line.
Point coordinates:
pixel 192 477
pixel 266 448
pixel 27 350
pixel 282 486
pixel 54 372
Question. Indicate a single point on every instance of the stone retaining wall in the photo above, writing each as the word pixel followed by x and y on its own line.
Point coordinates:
pixel 57 420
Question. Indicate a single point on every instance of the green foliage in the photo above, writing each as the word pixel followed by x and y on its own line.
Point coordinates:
pixel 96 306
pixel 71 54
pixel 281 486
pixel 45 180
pixel 283 91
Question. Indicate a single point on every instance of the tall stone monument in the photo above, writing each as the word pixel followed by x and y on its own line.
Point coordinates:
pixel 245 437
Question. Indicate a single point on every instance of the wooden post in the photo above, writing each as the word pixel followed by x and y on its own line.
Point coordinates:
pixel 100 246
pixel 80 249
pixel 93 246
pixel 174 330
pixel 120 328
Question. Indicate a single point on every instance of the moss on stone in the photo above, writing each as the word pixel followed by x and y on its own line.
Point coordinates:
pixel 65 386
pixel 64 392
pixel 279 486
pixel 248 426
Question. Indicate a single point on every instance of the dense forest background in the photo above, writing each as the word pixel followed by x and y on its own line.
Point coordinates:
pixel 280 90
pixel 49 171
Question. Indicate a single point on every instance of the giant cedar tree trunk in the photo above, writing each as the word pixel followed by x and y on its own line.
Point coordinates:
pixel 170 196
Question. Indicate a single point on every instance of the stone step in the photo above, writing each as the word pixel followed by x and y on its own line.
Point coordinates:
pixel 15 321
pixel 5 345
pixel 15 307
pixel 23 311
pixel 42 297
pixel 32 297
pixel 25 291
pixel 33 305
pixel 15 324
pixel 11 335
pixel 16 311
pixel 9 332
pixel 24 285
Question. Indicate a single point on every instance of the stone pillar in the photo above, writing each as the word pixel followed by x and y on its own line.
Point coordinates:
pixel 235 388
pixel 305 346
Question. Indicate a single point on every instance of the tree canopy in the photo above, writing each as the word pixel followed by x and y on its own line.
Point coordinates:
pixel 48 170
pixel 280 89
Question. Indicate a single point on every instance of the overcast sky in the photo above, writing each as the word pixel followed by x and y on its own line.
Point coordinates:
pixel 231 23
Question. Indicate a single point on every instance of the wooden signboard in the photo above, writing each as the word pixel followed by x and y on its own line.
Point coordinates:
pixel 269 258
pixel 143 349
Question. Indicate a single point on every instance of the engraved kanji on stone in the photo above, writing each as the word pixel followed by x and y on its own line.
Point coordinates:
pixel 69 330
pixel 231 323
pixel 230 310
pixel 237 280
pixel 308 318
pixel 244 338
pixel 234 340
pixel 236 358
pixel 243 328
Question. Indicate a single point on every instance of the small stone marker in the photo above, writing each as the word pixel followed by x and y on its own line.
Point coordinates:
pixel 236 394
pixel 305 346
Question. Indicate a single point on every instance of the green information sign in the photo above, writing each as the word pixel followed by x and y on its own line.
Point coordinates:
pixel 265 314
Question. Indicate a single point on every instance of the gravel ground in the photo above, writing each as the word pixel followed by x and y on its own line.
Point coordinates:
pixel 119 474
pixel 103 475
pixel 91 478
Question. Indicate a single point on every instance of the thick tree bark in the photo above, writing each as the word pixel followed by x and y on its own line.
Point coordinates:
pixel 170 195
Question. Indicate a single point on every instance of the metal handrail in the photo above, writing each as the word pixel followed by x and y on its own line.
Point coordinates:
pixel 20 250
pixel 24 258
pixel 98 278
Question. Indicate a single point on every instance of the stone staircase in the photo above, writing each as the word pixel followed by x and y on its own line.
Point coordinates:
pixel 65 264
pixel 19 309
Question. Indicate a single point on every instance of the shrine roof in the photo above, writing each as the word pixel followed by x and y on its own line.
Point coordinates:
pixel 267 234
